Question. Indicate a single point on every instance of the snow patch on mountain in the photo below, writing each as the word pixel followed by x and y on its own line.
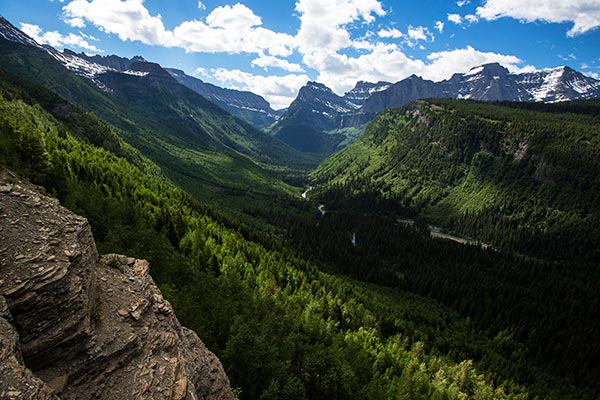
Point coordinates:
pixel 475 71
pixel 136 73
pixel 76 64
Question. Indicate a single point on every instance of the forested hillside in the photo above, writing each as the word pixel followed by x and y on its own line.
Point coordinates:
pixel 520 181
pixel 187 136
pixel 522 177
pixel 282 328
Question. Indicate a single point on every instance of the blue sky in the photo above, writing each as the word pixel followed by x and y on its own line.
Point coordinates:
pixel 274 47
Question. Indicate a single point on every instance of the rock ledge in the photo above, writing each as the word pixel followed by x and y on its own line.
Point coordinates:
pixel 74 325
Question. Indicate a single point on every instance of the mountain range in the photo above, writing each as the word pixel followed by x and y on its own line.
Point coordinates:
pixel 319 121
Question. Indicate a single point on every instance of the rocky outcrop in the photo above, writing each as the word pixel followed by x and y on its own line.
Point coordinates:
pixel 74 325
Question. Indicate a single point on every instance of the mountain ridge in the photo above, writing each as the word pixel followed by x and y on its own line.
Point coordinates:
pixel 245 105
pixel 488 82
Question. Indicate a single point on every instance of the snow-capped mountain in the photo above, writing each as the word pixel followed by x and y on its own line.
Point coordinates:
pixel 399 94
pixel 69 59
pixel 490 82
pixel 318 107
pixel 9 32
pixel 245 105
pixel 113 62
pixel 559 84
pixel 317 112
pixel 363 90
pixel 318 119
pixel 322 100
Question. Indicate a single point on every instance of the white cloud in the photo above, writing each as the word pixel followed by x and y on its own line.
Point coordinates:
pixel 279 91
pixel 201 6
pixel 462 3
pixel 584 14
pixel 196 36
pixel 594 75
pixel 267 62
pixel 419 33
pixel 233 29
pixel 567 57
pixel 237 17
pixel 459 20
pixel 390 33
pixel 416 34
pixel 589 73
pixel 455 18
pixel 472 19
pixel 129 19
pixel 89 37
pixel 55 39
pixel 76 22
pixel 385 62
pixel 439 25
pixel 201 72
pixel 323 23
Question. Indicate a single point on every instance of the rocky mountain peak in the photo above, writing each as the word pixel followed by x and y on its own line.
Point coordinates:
pixel 363 90
pixel 150 67
pixel 314 87
pixel 9 32
pixel 76 325
pixel 247 106
pixel 112 61
pixel 489 70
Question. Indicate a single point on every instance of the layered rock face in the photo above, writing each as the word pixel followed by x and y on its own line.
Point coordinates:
pixel 74 325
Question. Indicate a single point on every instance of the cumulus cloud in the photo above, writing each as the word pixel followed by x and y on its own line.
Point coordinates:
pixel 233 29
pixel 279 91
pixel 267 62
pixel 129 19
pixel 419 33
pixel 455 18
pixel 60 41
pixel 323 23
pixel 201 72
pixel 439 25
pixel 390 33
pixel 584 14
pixel 197 36
pixel 386 62
pixel 472 18
pixel 233 17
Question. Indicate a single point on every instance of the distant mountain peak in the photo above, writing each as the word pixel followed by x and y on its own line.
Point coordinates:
pixel 316 85
pixel 363 90
pixel 247 106
pixel 11 33
pixel 491 69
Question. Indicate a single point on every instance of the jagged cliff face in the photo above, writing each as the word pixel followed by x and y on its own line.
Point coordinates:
pixel 247 106
pixel 74 325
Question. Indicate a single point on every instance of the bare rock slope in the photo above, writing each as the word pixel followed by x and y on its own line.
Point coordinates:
pixel 74 325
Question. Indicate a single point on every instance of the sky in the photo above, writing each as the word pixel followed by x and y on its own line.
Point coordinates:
pixel 273 48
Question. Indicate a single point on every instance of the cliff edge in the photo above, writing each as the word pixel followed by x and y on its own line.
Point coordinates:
pixel 74 325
